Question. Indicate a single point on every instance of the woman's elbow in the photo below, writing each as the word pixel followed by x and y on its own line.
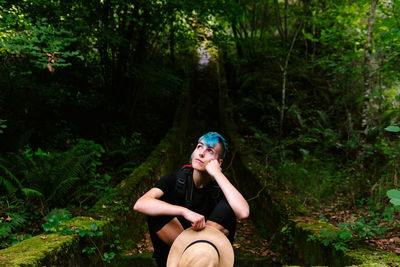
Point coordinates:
pixel 137 206
pixel 243 214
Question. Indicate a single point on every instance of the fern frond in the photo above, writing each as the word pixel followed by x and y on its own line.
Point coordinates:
pixel 17 219
pixel 9 187
pixel 73 165
pixel 11 176
pixel 31 192
pixel 5 230
pixel 62 187
pixel 62 213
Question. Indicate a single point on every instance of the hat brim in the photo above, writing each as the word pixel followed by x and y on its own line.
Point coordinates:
pixel 210 234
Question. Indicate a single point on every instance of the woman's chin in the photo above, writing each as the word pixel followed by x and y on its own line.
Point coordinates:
pixel 198 166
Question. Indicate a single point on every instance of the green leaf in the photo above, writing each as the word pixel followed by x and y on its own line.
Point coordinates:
pixel 393 129
pixel 94 227
pixel 395 201
pixel 393 193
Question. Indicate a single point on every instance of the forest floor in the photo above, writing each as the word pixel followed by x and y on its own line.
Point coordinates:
pixel 388 241
pixel 247 241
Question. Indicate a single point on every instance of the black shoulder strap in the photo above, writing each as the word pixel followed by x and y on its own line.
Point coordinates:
pixel 184 184
pixel 215 191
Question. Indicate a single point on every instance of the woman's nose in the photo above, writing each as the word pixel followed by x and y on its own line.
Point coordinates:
pixel 201 153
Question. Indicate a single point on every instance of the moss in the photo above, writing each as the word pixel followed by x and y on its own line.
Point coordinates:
pixel 31 252
pixel 313 226
pixel 369 256
pixel 46 248
pixel 313 252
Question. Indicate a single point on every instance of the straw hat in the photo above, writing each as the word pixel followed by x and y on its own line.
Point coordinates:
pixel 208 247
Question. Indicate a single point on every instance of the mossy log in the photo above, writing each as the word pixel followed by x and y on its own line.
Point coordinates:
pixel 55 249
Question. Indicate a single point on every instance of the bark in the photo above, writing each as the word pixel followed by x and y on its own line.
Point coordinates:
pixel 172 43
pixel 236 36
pixel 284 81
pixel 369 73
pixel 279 20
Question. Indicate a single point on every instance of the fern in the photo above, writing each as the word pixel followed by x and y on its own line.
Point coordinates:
pixel 54 176
pixel 8 182
pixel 31 192
pixel 58 176
pixel 63 187
pixel 11 188
pixel 15 220
pixel 5 230
pixel 54 218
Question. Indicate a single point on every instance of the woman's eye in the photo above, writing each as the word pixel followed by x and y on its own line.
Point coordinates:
pixel 211 151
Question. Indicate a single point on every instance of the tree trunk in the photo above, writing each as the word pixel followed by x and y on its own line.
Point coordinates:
pixel 236 36
pixel 369 73
pixel 284 80
pixel 279 20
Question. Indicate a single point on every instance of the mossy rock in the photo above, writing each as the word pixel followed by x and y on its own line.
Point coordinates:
pixel 371 256
pixel 50 249
pixel 313 252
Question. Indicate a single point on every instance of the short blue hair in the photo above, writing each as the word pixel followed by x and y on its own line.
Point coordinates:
pixel 211 139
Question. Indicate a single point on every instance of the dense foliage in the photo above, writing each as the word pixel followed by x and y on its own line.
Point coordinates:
pixel 89 87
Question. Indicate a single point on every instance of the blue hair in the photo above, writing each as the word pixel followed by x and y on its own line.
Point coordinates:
pixel 211 139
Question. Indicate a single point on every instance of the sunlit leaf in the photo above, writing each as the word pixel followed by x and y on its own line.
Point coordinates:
pixel 393 129
pixel 393 193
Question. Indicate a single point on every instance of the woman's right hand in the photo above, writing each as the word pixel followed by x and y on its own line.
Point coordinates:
pixel 197 220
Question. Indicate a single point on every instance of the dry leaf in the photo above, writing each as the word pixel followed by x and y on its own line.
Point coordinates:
pixel 236 245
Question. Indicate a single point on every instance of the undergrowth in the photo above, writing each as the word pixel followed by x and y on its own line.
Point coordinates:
pixel 36 182
pixel 312 168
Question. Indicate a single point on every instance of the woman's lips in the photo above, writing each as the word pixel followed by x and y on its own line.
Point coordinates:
pixel 199 161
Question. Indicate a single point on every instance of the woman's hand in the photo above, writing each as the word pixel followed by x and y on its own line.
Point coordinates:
pixel 213 168
pixel 197 220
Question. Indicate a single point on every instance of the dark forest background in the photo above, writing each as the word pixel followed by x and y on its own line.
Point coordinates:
pixel 88 88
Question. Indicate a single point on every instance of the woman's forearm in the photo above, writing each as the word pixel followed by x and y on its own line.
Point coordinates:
pixel 235 199
pixel 155 207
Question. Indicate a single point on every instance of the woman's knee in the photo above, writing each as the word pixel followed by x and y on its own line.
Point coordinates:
pixel 218 226
pixel 170 231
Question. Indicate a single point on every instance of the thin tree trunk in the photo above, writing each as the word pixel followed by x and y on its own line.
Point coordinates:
pixel 285 19
pixel 279 20
pixel 369 74
pixel 172 43
pixel 284 81
pixel 236 35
